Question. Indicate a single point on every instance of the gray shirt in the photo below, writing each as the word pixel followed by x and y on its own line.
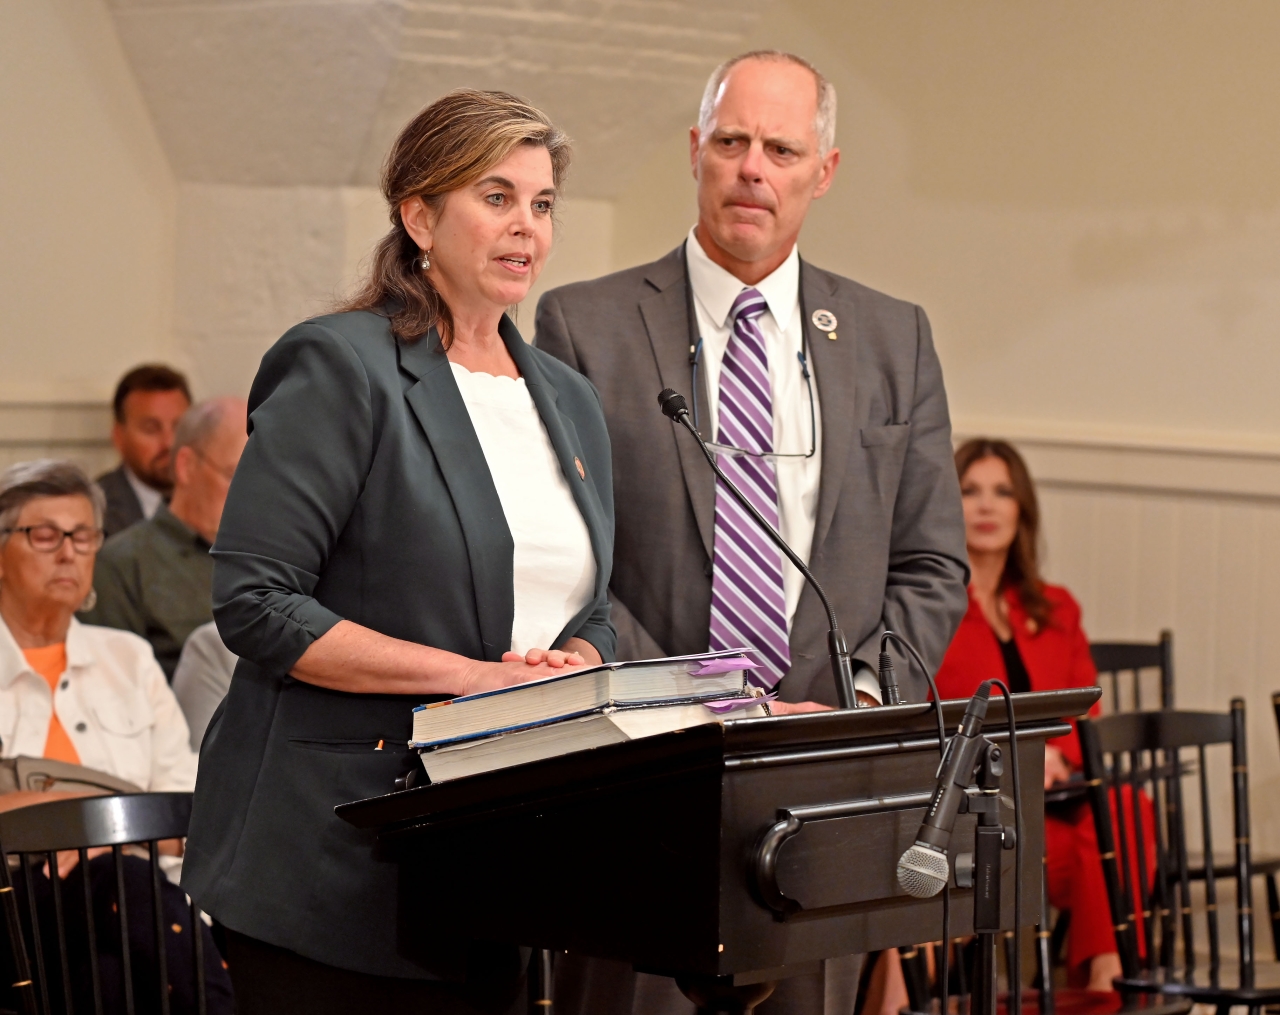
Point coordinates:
pixel 201 680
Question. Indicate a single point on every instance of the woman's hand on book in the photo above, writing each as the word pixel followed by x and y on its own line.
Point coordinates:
pixel 533 665
pixel 576 652
pixel 481 676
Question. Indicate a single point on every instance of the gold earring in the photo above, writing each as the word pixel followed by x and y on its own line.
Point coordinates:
pixel 426 260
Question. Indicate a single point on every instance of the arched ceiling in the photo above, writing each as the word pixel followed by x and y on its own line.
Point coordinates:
pixel 289 92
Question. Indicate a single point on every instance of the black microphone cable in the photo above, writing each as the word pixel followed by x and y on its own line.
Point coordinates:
pixel 1015 974
pixel 886 665
pixel 944 963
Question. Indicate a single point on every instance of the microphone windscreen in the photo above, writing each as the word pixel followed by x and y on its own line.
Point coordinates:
pixel 673 403
pixel 923 871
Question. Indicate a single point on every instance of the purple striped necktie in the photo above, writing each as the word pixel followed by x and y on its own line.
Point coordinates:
pixel 748 604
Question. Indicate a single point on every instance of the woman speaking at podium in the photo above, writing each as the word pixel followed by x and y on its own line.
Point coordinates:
pixel 424 509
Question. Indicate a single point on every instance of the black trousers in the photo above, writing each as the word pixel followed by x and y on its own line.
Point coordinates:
pixel 275 981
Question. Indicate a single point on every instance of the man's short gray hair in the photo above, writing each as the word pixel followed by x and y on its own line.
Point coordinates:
pixel 45 477
pixel 199 423
pixel 824 123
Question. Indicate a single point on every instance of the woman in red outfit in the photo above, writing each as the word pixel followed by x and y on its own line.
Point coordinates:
pixel 1030 632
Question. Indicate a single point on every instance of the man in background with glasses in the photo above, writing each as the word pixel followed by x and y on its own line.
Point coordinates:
pixel 826 403
pixel 156 577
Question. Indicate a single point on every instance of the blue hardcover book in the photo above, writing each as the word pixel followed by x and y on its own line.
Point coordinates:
pixel 582 733
pixel 648 682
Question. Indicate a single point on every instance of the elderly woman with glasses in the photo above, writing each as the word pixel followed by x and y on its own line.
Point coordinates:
pixel 90 696
pixel 87 695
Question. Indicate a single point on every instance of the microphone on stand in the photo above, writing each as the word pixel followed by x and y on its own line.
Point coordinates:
pixel 676 409
pixel 923 870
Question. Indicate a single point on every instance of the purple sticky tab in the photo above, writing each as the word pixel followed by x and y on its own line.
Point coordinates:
pixel 711 667
pixel 724 706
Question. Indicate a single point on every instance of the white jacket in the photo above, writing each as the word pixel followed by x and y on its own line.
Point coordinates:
pixel 113 701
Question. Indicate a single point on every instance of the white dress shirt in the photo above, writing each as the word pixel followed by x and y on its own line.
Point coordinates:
pixel 113 701
pixel 149 498
pixel 799 479
pixel 554 567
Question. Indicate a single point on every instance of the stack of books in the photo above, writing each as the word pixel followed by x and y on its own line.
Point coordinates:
pixel 585 708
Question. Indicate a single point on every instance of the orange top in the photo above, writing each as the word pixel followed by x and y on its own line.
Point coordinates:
pixel 51 662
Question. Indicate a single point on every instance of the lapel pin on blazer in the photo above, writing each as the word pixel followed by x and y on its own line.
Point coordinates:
pixel 825 320
pixel 582 473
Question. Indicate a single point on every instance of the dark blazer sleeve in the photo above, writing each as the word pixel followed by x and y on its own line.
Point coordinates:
pixel 925 594
pixel 309 451
pixel 628 637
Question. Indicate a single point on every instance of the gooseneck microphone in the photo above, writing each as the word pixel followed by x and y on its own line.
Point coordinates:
pixel 677 410
pixel 923 870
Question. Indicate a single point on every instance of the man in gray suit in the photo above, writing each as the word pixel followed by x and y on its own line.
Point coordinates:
pixel 856 466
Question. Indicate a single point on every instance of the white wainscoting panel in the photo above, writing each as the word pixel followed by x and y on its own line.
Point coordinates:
pixel 80 431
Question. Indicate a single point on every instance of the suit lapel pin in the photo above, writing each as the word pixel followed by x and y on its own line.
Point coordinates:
pixel 825 320
pixel 582 473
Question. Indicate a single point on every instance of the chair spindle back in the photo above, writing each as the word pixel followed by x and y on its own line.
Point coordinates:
pixel 34 836
pixel 1135 764
pixel 1115 660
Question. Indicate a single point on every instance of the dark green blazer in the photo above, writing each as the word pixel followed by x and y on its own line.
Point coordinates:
pixel 364 495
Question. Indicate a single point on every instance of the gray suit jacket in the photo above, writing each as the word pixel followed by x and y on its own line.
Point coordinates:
pixel 888 544
pixel 123 508
pixel 363 494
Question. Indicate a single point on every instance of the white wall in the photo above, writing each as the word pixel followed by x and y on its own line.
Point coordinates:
pixel 86 229
pixel 86 207
pixel 252 261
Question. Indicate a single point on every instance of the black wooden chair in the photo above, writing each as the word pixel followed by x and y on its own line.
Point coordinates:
pixel 1153 912
pixel 1121 666
pixel 58 971
pixel 1122 662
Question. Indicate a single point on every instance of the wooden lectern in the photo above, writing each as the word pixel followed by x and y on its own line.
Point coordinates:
pixel 728 856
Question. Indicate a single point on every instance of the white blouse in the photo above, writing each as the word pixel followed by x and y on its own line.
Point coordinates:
pixel 554 566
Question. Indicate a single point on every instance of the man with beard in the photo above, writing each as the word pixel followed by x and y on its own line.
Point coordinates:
pixel 149 401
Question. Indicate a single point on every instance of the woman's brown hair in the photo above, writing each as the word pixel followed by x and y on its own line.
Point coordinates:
pixel 449 145
pixel 1022 568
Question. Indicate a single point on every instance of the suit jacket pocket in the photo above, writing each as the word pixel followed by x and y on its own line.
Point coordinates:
pixel 875 436
pixel 347 746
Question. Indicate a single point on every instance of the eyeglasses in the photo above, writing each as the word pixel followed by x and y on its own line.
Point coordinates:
pixel 731 449
pixel 48 538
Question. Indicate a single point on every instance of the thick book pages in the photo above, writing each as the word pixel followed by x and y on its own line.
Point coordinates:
pixel 678 679
pixel 612 726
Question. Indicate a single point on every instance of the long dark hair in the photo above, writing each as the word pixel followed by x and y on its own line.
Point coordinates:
pixel 449 145
pixel 1022 568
